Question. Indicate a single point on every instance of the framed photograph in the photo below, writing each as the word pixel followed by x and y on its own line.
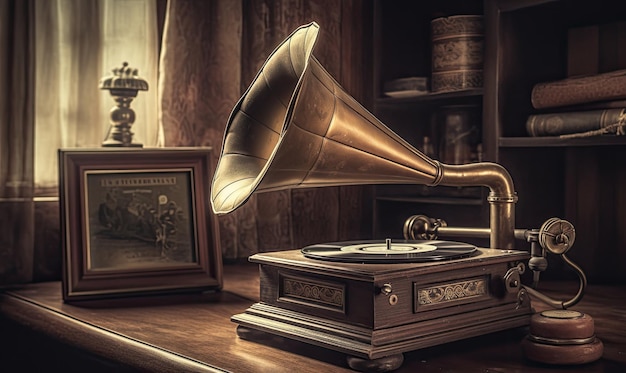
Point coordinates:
pixel 136 221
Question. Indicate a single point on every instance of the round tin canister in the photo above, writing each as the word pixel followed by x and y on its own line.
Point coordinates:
pixel 457 53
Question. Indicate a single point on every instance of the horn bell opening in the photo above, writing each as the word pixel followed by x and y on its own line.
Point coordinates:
pixel 256 125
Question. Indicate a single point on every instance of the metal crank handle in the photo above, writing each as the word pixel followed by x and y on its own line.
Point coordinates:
pixel 557 237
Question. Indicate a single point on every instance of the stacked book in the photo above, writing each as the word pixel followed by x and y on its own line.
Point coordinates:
pixel 582 106
pixel 592 99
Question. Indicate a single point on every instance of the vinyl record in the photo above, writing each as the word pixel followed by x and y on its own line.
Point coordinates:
pixel 400 251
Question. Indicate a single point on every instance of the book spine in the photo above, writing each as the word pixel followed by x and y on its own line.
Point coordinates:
pixel 581 90
pixel 558 124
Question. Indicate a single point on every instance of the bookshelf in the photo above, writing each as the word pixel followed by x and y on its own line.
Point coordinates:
pixel 526 42
pixel 402 48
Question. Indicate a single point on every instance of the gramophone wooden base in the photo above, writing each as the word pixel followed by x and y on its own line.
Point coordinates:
pixel 383 364
pixel 262 323
pixel 373 313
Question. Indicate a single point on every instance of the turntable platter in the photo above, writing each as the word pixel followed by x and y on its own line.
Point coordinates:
pixel 376 251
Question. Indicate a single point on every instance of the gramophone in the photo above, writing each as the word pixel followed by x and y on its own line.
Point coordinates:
pixel 295 127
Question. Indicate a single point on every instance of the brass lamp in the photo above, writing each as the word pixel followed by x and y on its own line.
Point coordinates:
pixel 123 85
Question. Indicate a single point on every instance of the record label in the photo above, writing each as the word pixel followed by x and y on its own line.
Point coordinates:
pixel 388 251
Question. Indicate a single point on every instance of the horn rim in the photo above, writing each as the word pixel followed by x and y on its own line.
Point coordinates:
pixel 219 205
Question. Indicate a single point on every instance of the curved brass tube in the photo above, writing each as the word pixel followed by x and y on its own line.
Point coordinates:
pixel 295 127
pixel 582 280
pixel 502 196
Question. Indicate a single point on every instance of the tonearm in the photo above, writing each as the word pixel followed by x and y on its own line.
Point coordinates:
pixel 555 236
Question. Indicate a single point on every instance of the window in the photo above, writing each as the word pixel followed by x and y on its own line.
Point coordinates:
pixel 78 42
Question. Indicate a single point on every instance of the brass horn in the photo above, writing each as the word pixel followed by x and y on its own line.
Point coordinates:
pixel 296 127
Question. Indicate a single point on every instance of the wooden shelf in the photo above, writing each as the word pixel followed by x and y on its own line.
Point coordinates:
pixel 431 98
pixel 526 42
pixel 433 200
pixel 540 142
pixel 512 5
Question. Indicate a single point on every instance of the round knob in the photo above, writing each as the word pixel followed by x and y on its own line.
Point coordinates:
pixel 421 227
pixel 557 235
pixel 386 289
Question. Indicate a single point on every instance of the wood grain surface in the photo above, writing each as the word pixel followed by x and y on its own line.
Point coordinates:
pixel 194 333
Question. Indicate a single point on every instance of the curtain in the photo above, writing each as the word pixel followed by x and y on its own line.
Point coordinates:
pixel 200 71
pixel 77 43
pixel 53 54
pixel 82 41
pixel 16 140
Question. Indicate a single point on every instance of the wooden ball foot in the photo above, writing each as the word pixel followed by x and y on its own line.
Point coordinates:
pixel 562 337
pixel 383 364
pixel 254 335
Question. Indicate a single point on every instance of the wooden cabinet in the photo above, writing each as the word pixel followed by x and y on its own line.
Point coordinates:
pixel 525 42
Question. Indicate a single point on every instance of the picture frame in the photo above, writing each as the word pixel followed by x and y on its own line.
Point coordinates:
pixel 136 221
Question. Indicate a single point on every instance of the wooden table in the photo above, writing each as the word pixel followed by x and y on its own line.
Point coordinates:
pixel 193 333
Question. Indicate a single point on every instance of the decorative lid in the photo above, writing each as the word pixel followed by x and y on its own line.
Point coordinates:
pixel 124 78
